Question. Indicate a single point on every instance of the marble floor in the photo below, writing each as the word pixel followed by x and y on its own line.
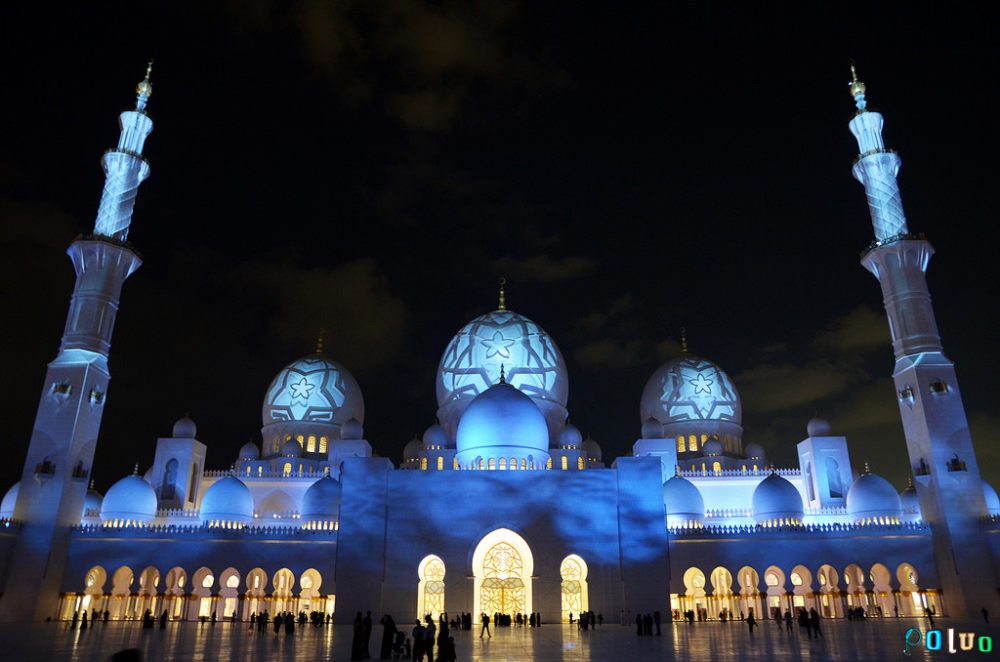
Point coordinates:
pixel 879 640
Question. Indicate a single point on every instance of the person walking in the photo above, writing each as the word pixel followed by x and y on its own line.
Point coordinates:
pixel 814 622
pixel 751 622
pixel 486 626
pixel 418 642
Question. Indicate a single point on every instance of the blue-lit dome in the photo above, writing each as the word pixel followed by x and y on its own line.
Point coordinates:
pixel 313 389
pixel 185 429
pixel 249 451
pixel 129 502
pixel 992 500
pixel 818 427
pixel 910 503
pixel 502 422
pixel 412 449
pixel 684 503
pixel 689 388
pixel 9 501
pixel 92 502
pixel 776 502
pixel 352 429
pixel 591 449
pixel 227 503
pixel 570 437
pixel 291 448
pixel 754 451
pixel 435 437
pixel 321 502
pixel 652 429
pixel 531 361
pixel 873 499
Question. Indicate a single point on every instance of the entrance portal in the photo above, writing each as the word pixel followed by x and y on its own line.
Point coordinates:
pixel 502 564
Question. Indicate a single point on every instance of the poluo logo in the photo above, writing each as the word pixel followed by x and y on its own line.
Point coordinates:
pixel 935 640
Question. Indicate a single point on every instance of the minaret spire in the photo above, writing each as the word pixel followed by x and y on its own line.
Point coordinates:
pixel 124 167
pixel 502 305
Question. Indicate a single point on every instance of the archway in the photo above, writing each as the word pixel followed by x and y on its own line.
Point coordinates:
pixel 310 599
pixel 283 581
pixel 913 600
pixel 149 582
pixel 575 599
pixel 229 589
pixel 694 588
pixel 829 593
pixel 882 586
pixel 430 587
pixel 774 577
pixel 176 578
pixel 854 581
pixel 256 584
pixel 92 596
pixel 201 589
pixel 722 593
pixel 749 582
pixel 801 580
pixel 502 564
pixel 121 583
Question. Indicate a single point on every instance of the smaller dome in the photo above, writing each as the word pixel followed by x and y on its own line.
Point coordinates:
pixel 130 501
pixel 909 501
pixel 412 449
pixel 227 501
pixel 352 429
pixel 776 502
pixel 652 429
pixel 321 502
pixel 92 502
pixel 712 447
pixel 818 427
pixel 570 437
pixel 435 436
pixel 9 501
pixel 992 500
pixel 683 501
pixel 754 451
pixel 291 448
pixel 591 448
pixel 502 421
pixel 872 496
pixel 249 451
pixel 185 429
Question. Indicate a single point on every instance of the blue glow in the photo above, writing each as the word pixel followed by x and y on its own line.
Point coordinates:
pixel 690 388
pixel 314 389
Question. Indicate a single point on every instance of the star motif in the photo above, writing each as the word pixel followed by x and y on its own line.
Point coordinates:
pixel 497 346
pixel 301 389
pixel 701 384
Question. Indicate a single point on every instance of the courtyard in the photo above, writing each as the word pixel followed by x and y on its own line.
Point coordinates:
pixel 870 640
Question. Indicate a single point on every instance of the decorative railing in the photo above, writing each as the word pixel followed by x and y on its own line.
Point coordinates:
pixel 902 236
pixel 756 529
pixel 267 473
pixel 761 471
pixel 252 531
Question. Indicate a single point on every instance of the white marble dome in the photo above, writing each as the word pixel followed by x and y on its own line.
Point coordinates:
pixel 435 437
pixel 684 504
pixel 530 358
pixel 185 428
pixel 754 451
pixel 992 500
pixel 9 501
pixel 352 429
pixel 776 502
pixel 291 448
pixel 313 389
pixel 652 429
pixel 690 388
pixel 818 427
pixel 570 437
pixel 321 501
pixel 910 503
pixel 92 502
pixel 873 499
pixel 412 449
pixel 249 451
pixel 502 422
pixel 227 503
pixel 712 447
pixel 591 449
pixel 129 502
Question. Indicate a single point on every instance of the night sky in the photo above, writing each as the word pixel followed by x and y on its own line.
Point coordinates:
pixel 374 167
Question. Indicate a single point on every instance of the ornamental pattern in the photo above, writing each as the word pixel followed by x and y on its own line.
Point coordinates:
pixel 503 589
pixel 433 584
pixel 313 389
pixel 572 589
pixel 691 388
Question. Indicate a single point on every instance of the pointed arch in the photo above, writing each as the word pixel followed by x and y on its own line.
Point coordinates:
pixel 502 564
pixel 430 586
pixel 575 598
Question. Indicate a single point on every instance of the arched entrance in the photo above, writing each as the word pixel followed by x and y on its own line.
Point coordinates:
pixel 502 564
pixel 573 570
pixel 430 587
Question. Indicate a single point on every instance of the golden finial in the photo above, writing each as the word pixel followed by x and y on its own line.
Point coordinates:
pixel 144 86
pixel 503 378
pixel 503 294
pixel 135 471
pixel 857 88
pixel 684 341
pixel 868 469
pixel 319 340
pixel 909 481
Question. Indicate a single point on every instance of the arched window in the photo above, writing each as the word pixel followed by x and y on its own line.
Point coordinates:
pixel 168 490
pixel 692 442
pixel 809 482
pixel 833 478
pixel 287 470
pixel 574 586
pixel 455 464
pixel 524 464
pixel 513 463
pixel 503 589
pixel 579 463
pixel 680 444
pixel 548 465
pixel 323 444
pixel 423 463
pixel 440 463
pixel 503 463
pixel 565 463
pixel 430 589
pixel 717 467
pixel 480 464
pixel 491 464
pixel 311 444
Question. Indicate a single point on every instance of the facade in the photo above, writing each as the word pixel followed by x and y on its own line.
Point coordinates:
pixel 502 506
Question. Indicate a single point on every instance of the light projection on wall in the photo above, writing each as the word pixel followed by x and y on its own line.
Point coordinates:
pixel 690 388
pixel 532 362
pixel 313 389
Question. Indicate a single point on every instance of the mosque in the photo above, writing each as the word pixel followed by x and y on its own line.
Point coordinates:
pixel 313 520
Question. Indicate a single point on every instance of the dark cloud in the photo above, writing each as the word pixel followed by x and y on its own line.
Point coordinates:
pixel 543 268
pixel 861 329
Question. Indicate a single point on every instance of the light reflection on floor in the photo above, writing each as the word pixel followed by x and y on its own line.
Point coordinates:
pixel 873 640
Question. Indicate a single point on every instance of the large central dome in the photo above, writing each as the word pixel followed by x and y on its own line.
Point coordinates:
pixel 690 388
pixel 530 358
pixel 313 389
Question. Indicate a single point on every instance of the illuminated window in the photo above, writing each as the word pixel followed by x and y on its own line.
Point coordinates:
pixel 299 438
pixel 548 465
pixel 300 468
pixel 726 444
pixel 771 579
pixel 847 578
pixel 491 464
pixel 579 463
pixel 565 463
pixel 680 444
pixel 233 582
pixel 248 471
pixel 704 438
pixel 755 468
pixel 503 589
pixel 717 467
pixel 455 464
pixel 822 580
pixel 513 463
pixel 208 581
pixel 256 581
pixel 306 582
pixel 430 590
pixel 480 463
pixel 423 463
pixel 311 443
pixel 323 444
pixel 796 579
pixel 287 470
pixel 524 464
pixel 440 463
pixel 692 443
pixel 503 463
pixel 260 470
pixel 574 586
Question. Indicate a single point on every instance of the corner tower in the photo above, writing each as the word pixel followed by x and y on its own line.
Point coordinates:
pixel 937 432
pixel 58 463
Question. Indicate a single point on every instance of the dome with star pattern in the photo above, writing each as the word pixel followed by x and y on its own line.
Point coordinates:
pixel 690 388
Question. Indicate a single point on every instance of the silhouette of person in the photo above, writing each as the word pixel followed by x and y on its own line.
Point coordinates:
pixel 388 635
pixel 485 620
pixel 751 622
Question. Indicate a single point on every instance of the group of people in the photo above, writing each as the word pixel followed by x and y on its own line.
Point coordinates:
pixel 586 620
pixel 426 636
pixel 82 619
pixel 807 619
pixel 644 624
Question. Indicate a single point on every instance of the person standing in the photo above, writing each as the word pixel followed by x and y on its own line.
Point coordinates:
pixel 814 622
pixel 656 619
pixel 751 622
pixel 388 635
pixel 366 633
pixel 485 620
pixel 418 642
pixel 357 650
pixel 429 632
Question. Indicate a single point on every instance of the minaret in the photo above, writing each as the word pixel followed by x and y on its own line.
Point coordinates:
pixel 58 464
pixel 942 458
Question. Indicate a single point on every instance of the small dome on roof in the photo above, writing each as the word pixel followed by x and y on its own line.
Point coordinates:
pixel 9 501
pixel 591 448
pixel 227 501
pixel 435 436
pixel 321 502
pixel 818 427
pixel 754 451
pixel 131 500
pixel 872 496
pixel 909 502
pixel 683 501
pixel 352 429
pixel 412 449
pixel 92 502
pixel 712 447
pixel 775 501
pixel 652 429
pixel 502 421
pixel 185 428
pixel 249 451
pixel 570 436
pixel 992 500
pixel 291 448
